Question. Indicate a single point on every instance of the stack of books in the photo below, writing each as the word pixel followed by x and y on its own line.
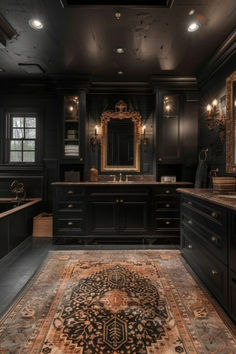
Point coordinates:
pixel 72 134
pixel 71 150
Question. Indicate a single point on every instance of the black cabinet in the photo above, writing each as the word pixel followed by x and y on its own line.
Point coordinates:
pixel 208 243
pixel 118 213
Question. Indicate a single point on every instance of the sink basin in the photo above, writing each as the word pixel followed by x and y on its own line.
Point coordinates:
pixel 228 196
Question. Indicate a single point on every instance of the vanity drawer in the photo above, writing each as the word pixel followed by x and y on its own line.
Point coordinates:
pixel 70 226
pixel 210 270
pixel 70 192
pixel 167 204
pixel 166 190
pixel 215 243
pixel 207 211
pixel 67 206
pixel 165 223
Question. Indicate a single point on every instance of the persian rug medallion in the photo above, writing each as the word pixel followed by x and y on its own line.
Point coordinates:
pixel 114 302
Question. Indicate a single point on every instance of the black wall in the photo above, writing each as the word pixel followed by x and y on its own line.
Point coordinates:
pixel 214 88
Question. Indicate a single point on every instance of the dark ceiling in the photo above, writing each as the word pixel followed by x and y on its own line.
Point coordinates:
pixel 82 40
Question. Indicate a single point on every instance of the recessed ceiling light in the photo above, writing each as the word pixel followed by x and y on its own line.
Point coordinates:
pixel 119 50
pixel 35 23
pixel 120 72
pixel 194 26
pixel 191 12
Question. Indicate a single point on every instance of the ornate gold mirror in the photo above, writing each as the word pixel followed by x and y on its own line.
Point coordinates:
pixel 120 139
pixel 231 123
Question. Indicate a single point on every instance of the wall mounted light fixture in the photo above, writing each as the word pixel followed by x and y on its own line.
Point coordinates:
pixel 144 138
pixel 215 119
pixel 94 140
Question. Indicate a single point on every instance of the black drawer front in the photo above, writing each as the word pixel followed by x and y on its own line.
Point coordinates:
pixel 232 245
pixel 165 223
pixel 166 204
pixel 167 190
pixel 70 193
pixel 216 225
pixel 208 211
pixel 70 226
pixel 69 206
pixel 210 270
pixel 167 214
pixel 215 243
pixel 232 295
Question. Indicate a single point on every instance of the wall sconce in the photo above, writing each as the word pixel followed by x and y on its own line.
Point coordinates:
pixel 144 138
pixel 215 119
pixel 94 140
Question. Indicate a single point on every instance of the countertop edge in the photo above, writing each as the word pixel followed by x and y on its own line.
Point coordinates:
pixel 130 183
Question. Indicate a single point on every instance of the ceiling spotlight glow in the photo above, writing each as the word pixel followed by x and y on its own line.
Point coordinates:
pixel 194 26
pixel 120 72
pixel 119 50
pixel 191 12
pixel 35 23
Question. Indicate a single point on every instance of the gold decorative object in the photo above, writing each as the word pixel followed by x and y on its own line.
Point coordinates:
pixel 231 123
pixel 121 112
pixel 18 189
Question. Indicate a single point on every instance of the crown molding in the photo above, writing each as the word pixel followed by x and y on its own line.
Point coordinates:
pixel 175 82
pixel 220 58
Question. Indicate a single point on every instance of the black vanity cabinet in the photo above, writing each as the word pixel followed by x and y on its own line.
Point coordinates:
pixel 208 243
pixel 113 212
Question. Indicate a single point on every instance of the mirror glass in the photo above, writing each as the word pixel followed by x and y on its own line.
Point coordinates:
pixel 120 139
pixel 231 123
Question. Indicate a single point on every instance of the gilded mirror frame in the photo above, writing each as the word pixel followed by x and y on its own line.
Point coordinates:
pixel 121 112
pixel 230 125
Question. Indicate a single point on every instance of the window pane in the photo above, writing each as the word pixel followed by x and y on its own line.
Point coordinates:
pixel 28 156
pixel 18 122
pixel 30 133
pixel 18 133
pixel 28 145
pixel 16 145
pixel 15 156
pixel 30 122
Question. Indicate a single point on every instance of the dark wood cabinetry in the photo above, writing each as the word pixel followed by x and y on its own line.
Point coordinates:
pixel 128 211
pixel 208 244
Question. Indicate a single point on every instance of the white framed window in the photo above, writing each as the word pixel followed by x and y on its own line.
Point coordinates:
pixel 22 138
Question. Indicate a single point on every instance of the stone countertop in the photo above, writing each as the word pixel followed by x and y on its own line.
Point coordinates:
pixel 29 202
pixel 208 195
pixel 123 183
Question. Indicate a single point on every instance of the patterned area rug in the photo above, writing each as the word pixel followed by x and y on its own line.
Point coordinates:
pixel 114 302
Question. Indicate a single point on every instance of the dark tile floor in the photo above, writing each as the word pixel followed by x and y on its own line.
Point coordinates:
pixel 17 268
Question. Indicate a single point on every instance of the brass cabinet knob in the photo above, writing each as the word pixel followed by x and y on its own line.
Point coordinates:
pixel 190 246
pixel 214 214
pixel 190 203
pixel 190 222
pixel 167 191
pixel 213 238
pixel 117 201
pixel 160 159
pixel 70 192
pixel 121 201
pixel 70 206
pixel 167 222
pixel 214 272
pixel 167 205
pixel 70 223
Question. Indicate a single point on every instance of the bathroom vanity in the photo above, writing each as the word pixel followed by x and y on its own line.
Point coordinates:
pixel 116 211
pixel 208 242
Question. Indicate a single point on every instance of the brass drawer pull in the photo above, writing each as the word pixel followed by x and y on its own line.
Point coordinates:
pixel 70 206
pixel 214 272
pixel 117 201
pixel 214 214
pixel 213 238
pixel 190 203
pixel 167 222
pixel 121 201
pixel 70 223
pixel 70 192
pixel 167 191
pixel 167 205
pixel 160 159
pixel 190 247
pixel 190 222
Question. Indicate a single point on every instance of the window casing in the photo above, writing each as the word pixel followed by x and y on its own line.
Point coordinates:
pixel 23 140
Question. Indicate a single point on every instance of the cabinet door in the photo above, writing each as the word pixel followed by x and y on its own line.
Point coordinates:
pixel 103 217
pixel 232 246
pixel 232 294
pixel 133 216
